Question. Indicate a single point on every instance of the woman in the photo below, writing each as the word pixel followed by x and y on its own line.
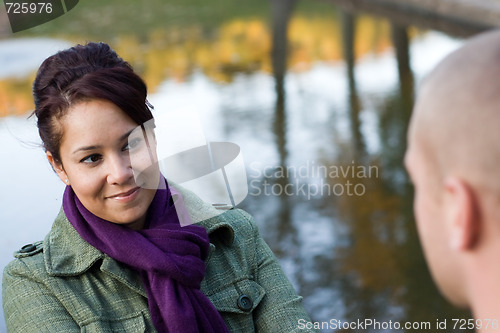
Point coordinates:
pixel 117 259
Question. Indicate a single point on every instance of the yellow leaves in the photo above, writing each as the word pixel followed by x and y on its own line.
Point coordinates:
pixel 372 36
pixel 15 97
pixel 313 39
pixel 240 45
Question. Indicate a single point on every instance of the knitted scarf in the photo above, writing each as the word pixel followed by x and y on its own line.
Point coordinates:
pixel 169 258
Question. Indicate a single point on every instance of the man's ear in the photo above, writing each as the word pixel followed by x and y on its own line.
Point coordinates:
pixel 58 168
pixel 462 214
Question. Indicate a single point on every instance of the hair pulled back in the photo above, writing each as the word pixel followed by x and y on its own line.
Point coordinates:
pixel 80 73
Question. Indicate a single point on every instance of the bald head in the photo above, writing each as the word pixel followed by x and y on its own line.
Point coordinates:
pixel 456 119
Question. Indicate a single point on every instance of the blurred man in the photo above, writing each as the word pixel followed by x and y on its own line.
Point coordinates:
pixel 453 158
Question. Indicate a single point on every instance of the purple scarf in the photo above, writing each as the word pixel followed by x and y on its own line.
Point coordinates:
pixel 169 258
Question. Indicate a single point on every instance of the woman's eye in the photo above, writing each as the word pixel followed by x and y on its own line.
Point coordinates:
pixel 91 159
pixel 133 143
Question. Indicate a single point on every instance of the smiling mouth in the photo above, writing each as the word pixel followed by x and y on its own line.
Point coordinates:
pixel 126 196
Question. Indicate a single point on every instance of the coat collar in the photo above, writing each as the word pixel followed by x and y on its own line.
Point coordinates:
pixel 67 254
pixel 205 215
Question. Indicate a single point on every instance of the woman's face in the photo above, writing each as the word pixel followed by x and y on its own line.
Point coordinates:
pixel 98 144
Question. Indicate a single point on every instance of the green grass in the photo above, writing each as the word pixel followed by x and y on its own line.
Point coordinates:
pixel 104 20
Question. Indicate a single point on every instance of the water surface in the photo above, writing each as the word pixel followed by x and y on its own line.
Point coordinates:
pixel 317 99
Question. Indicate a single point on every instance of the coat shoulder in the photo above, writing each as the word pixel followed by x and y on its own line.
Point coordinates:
pixel 241 222
pixel 29 250
pixel 233 224
pixel 28 258
pixel 238 218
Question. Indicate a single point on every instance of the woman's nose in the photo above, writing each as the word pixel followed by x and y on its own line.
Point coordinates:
pixel 119 170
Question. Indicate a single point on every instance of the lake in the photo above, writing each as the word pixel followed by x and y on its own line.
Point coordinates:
pixel 317 99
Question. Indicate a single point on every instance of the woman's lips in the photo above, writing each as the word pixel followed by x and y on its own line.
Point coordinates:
pixel 126 196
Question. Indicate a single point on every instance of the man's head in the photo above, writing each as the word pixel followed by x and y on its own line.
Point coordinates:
pixel 453 158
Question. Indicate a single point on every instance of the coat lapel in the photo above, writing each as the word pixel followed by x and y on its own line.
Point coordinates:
pixel 67 254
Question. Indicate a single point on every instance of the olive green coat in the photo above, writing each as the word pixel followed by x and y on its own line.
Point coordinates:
pixel 63 284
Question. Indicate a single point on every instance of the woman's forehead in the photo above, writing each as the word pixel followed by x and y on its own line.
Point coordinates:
pixel 96 120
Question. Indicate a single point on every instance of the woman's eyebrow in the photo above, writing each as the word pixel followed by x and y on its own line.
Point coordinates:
pixel 126 135
pixel 87 148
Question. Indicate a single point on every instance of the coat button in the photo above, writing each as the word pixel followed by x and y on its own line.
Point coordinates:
pixel 27 248
pixel 245 303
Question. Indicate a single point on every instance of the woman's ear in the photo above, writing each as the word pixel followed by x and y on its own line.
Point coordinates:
pixel 463 214
pixel 58 168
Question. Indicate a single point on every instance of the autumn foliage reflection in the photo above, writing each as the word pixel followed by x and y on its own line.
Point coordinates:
pixel 238 46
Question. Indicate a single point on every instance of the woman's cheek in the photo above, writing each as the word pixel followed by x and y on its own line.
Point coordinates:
pixel 88 182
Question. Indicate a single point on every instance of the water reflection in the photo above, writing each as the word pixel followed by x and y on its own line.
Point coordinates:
pixel 375 265
pixel 354 103
pixel 315 88
pixel 222 52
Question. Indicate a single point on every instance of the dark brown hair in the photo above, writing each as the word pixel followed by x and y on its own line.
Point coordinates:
pixel 85 72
